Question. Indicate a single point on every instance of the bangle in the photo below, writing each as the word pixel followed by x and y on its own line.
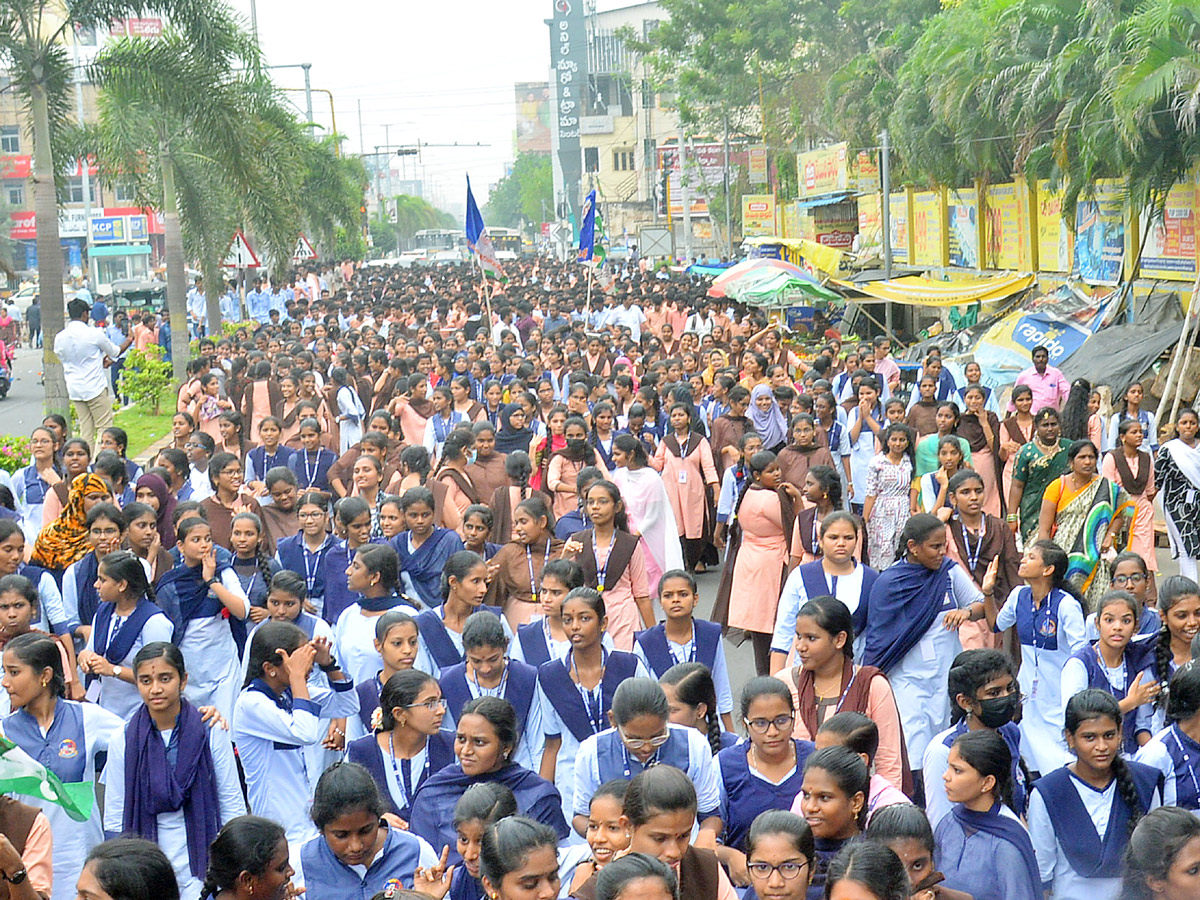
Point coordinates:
pixel 1011 517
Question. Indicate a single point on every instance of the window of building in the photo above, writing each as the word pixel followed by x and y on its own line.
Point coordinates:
pixel 15 194
pixel 124 193
pixel 623 161
pixel 591 159
pixel 75 189
pixel 10 139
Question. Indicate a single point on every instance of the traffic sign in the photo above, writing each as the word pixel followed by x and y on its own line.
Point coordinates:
pixel 304 250
pixel 239 255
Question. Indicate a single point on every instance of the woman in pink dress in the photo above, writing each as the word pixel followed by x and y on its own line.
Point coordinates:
pixel 1133 469
pixel 758 555
pixel 651 517
pixel 981 428
pixel 690 477
pixel 1015 432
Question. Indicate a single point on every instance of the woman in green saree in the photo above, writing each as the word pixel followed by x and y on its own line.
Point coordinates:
pixel 1082 512
pixel 1038 463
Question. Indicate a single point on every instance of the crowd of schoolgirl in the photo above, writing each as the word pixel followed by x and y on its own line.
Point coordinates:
pixel 393 612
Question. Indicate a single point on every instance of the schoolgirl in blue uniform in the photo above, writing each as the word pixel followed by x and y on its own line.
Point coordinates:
pixel 579 689
pixel 1179 606
pixel 684 638
pixel 423 549
pixel 310 464
pixel 126 620
pixel 31 484
pixel 354 515
pixel 171 779
pixel 482 805
pixel 373 573
pixel 543 638
pixel 252 566
pixel 641 737
pixel 1049 621
pixel 106 528
pixel 269 454
pixel 397 643
pixel 1175 751
pixel 692 699
pixel 487 672
pixel 62 735
pixel 409 744
pixel 307 552
pixel 464 584
pixel 1081 816
pixel 765 773
pixel 1113 665
pixel 833 800
pixel 53 614
pixel 277 715
pixel 347 803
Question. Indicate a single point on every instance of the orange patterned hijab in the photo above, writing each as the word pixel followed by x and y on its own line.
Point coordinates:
pixel 65 539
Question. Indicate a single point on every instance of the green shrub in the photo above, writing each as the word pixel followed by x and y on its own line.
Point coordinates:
pixel 145 377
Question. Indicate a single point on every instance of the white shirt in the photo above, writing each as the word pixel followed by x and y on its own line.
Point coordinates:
pixel 82 349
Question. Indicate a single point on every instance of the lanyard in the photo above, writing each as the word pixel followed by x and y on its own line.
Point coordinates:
pixel 602 571
pixel 403 771
pixel 849 684
pixel 532 577
pixel 816 540
pixel 689 649
pixel 648 764
pixel 972 553
pixel 683 448
pixel 481 691
pixel 310 572
pixel 595 713
pixel 311 477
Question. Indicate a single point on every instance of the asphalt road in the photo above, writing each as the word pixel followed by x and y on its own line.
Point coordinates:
pixel 21 410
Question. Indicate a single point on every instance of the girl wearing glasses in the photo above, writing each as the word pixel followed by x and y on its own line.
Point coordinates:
pixel 106 528
pixel 766 774
pixel 126 619
pixel 780 856
pixel 641 737
pixel 307 552
pixel 484 742
pixel 1128 572
pixel 408 746
pixel 579 689
pixel 486 671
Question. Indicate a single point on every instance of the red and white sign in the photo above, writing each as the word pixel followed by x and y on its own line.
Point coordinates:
pixel 304 250
pixel 240 255
pixel 16 166
pixel 136 28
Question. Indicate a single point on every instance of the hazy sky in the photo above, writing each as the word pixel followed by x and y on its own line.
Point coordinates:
pixel 439 72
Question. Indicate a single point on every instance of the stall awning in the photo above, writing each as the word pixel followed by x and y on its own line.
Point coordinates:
pixel 828 200
pixel 917 291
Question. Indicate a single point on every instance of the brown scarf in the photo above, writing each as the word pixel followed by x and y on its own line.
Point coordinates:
pixel 1135 486
pixel 618 559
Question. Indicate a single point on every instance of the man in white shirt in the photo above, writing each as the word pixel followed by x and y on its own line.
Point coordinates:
pixel 628 316
pixel 83 350
pixel 197 309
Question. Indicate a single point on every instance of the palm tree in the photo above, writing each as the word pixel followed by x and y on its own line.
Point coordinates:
pixel 34 50
pixel 201 132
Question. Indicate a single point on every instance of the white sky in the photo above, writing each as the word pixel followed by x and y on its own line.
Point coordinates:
pixel 439 72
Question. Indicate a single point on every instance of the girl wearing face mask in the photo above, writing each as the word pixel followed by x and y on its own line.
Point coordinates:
pixel 170 778
pixel 484 741
pixel 1049 624
pixel 1109 664
pixel 982 846
pixel 1177 468
pixel 566 464
pixel 904 829
pixel 984 696
pixel 1086 810
pixel 356 852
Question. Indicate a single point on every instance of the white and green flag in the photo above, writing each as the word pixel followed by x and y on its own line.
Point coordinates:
pixel 20 773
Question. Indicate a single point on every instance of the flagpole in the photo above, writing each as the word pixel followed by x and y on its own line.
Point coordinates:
pixel 588 304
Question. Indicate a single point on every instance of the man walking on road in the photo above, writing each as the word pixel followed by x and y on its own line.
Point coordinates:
pixel 85 351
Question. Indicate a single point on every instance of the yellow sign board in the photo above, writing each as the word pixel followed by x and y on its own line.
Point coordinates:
pixel 824 171
pixel 758 214
pixel 1055 240
pixel 928 228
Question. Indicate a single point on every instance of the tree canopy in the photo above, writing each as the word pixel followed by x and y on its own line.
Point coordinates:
pixel 519 196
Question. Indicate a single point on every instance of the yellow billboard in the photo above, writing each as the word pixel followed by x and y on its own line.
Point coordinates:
pixel 900 232
pixel 1170 251
pixel 758 214
pixel 1003 228
pixel 928 228
pixel 1055 240
pixel 824 171
pixel 870 224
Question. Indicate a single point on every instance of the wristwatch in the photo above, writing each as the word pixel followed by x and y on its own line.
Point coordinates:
pixel 332 667
pixel 19 877
pixel 117 670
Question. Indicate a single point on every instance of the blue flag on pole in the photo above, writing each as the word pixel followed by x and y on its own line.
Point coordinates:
pixel 587 231
pixel 477 237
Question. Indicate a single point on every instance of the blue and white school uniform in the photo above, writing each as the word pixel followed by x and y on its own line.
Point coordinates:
pixel 603 757
pixel 574 714
pixel 271 731
pixel 937 758
pixel 68 749
pixel 323 875
pixel 1080 832
pixel 118 639
pixel 1112 436
pixel 312 471
pixel 1149 623
pixel 52 609
pixel 862 450
pixel 443 646
pixel 437 429
pixel 29 490
pixel 1049 634
pixel 368 701
pixel 259 462
pixel 202 487
pixel 1177 756
pixel 1086 669
pixel 400 779
pixel 172 826
pixel 755 793
pixel 292 553
pixel 990 402
pixel 658 654
pixel 354 640
pixel 249 573
pixel 811 580
pixel 519 686
pixel 212 655
pixel 731 489
pixel 984 864
pixel 534 645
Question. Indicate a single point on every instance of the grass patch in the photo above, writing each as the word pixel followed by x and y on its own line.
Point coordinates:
pixel 143 428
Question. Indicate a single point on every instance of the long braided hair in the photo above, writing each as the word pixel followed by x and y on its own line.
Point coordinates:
pixel 1172 589
pixel 1092 704
pixel 693 684
pixel 264 564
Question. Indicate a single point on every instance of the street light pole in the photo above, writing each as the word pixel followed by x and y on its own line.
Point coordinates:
pixel 307 67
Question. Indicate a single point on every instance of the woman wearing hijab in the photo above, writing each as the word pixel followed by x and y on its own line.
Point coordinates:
pixel 65 539
pixel 164 508
pixel 513 435
pixel 767 418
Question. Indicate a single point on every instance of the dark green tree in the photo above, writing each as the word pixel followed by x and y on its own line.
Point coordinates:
pixel 526 195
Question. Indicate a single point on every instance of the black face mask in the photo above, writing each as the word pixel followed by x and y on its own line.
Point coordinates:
pixel 997 711
pixel 577 447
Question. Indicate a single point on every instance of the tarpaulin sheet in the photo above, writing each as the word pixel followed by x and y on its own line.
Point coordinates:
pixel 1120 354
pixel 917 291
